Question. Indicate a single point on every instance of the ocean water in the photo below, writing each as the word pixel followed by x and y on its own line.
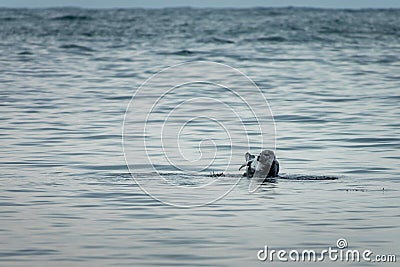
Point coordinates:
pixel 72 195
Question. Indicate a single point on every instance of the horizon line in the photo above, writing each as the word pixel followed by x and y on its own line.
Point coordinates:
pixel 201 7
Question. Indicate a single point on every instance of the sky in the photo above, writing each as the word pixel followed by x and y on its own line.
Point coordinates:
pixel 202 3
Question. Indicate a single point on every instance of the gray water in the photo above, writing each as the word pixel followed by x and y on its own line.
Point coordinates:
pixel 331 78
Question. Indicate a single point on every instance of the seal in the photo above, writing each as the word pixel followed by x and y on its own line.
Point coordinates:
pixel 263 166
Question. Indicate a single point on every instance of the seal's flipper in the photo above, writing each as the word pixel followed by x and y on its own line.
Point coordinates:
pixel 244 164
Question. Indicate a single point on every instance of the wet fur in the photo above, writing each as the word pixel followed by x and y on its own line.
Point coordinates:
pixel 258 165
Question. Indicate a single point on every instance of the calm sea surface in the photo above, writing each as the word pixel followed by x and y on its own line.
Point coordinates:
pixel 67 198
